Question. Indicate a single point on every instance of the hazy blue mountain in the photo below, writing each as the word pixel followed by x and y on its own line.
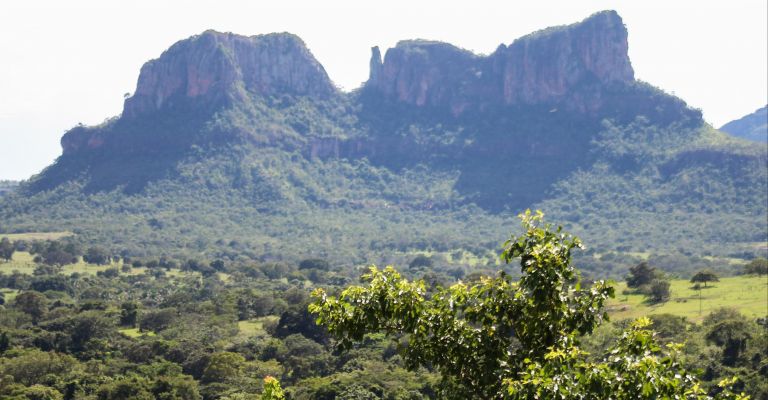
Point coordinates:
pixel 752 127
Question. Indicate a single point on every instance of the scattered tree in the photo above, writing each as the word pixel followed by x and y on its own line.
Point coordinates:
pixel 705 276
pixel 659 291
pixel 640 275
pixel 421 261
pixel 758 266
pixel 6 249
pixel 97 255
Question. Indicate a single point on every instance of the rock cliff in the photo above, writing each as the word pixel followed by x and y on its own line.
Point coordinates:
pixel 548 66
pixel 210 66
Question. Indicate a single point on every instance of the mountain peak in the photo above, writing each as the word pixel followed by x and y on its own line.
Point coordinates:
pixel 544 67
pixel 213 66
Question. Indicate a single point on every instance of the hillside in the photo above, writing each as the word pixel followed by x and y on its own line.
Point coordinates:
pixel 7 187
pixel 242 147
pixel 752 127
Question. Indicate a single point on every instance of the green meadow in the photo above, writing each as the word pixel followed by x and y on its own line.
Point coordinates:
pixel 747 294
pixel 23 262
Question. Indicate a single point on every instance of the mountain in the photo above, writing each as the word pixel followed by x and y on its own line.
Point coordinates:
pixel 241 147
pixel 752 127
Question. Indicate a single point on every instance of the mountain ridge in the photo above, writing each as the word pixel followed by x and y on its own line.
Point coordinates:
pixel 281 156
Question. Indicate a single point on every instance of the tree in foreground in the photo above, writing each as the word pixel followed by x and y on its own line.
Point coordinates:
pixel 496 338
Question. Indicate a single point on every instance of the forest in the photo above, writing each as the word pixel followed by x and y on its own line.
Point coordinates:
pixel 86 323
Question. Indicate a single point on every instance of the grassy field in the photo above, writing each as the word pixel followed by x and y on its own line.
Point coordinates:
pixel 135 332
pixel 747 294
pixel 35 236
pixel 23 262
pixel 254 326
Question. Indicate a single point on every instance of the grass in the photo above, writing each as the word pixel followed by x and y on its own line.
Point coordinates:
pixel 747 294
pixel 254 327
pixel 9 294
pixel 30 236
pixel 23 262
pixel 135 332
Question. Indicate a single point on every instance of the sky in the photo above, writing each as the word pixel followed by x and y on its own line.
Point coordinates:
pixel 69 62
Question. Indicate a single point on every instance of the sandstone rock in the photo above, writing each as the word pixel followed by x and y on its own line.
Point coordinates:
pixel 213 66
pixel 545 67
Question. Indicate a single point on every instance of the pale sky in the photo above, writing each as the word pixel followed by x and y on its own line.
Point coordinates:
pixel 64 62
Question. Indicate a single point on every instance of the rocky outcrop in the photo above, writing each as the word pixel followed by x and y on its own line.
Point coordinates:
pixel 209 67
pixel 80 138
pixel 545 67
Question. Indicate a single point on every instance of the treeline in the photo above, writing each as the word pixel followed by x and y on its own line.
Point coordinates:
pixel 162 328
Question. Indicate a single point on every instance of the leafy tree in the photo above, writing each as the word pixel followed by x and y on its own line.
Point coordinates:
pixel 97 255
pixel 315 263
pixel 640 275
pixel 6 249
pixel 421 261
pixel 272 390
pixel 223 366
pixel 33 303
pixel 705 276
pixel 659 291
pixel 129 313
pixel 498 338
pixel 729 330
pixel 758 266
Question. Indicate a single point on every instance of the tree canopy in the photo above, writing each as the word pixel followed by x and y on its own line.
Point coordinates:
pixel 496 338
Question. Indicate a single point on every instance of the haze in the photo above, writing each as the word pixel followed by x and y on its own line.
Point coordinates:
pixel 69 62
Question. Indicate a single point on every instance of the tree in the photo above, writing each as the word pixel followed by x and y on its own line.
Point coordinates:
pixel 641 274
pixel 502 339
pixel 33 303
pixel 758 266
pixel 659 291
pixel 97 255
pixel 705 276
pixel 6 249
pixel 421 261
pixel 223 366
pixel 272 390
pixel 315 263
pixel 129 313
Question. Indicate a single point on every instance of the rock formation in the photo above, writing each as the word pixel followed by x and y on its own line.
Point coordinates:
pixel 545 67
pixel 213 65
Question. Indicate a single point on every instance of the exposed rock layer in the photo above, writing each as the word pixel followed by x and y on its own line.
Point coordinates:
pixel 213 65
pixel 545 67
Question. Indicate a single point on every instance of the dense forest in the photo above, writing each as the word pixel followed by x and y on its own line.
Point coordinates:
pixel 110 327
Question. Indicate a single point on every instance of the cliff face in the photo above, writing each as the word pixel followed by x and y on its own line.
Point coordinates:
pixel 212 70
pixel 545 67
pixel 212 65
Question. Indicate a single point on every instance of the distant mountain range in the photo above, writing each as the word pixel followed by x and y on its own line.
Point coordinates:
pixel 235 146
pixel 752 127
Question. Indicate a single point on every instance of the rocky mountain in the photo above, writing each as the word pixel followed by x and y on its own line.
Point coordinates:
pixel 569 63
pixel 752 127
pixel 246 140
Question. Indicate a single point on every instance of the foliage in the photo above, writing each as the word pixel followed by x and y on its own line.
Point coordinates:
pixel 272 389
pixel 758 266
pixel 659 291
pixel 496 337
pixel 705 276
pixel 640 275
pixel 6 249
